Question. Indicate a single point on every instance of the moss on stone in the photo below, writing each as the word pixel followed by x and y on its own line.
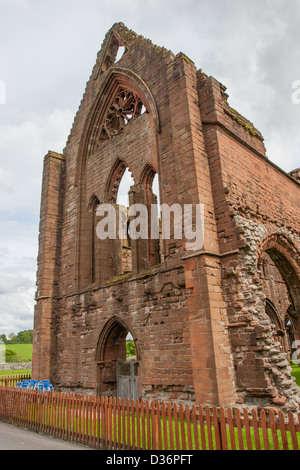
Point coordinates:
pixel 119 279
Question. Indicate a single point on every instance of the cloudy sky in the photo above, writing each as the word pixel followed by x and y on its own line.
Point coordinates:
pixel 48 49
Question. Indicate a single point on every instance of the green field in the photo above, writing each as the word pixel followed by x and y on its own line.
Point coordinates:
pixel 296 373
pixel 24 351
pixel 7 373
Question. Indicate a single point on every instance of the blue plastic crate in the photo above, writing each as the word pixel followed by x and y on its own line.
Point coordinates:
pixel 45 386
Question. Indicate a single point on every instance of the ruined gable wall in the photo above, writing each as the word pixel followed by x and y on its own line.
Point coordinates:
pixel 158 318
pixel 149 62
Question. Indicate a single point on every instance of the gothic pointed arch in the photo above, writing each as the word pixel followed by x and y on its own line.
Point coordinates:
pixel 151 199
pixel 122 98
pixel 290 317
pixel 117 326
pixel 286 258
pixel 118 37
pixel 148 175
pixel 114 179
pixel 110 351
pixel 271 311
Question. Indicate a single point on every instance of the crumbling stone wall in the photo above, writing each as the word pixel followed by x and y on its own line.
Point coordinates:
pixel 261 365
pixel 198 318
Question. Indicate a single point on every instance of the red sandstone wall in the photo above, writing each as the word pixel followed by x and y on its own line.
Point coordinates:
pixel 257 189
pixel 155 308
pixel 253 199
pixel 185 178
pixel 181 312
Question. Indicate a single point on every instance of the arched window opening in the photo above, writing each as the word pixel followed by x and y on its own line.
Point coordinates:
pixel 120 53
pixel 117 360
pixel 155 190
pixel 159 252
pixel 155 245
pixel 124 187
pixel 114 53
pixel 126 183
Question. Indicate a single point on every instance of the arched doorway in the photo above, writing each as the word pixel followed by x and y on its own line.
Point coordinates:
pixel 118 365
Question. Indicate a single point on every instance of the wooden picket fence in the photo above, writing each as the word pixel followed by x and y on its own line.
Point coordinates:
pixel 115 424
pixel 12 380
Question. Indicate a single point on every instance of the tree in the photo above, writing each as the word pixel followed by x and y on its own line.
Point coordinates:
pixel 25 337
pixel 12 338
pixel 130 348
pixel 3 339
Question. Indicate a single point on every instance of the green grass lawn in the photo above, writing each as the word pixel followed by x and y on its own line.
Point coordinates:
pixel 24 354
pixel 296 373
pixel 24 351
pixel 6 373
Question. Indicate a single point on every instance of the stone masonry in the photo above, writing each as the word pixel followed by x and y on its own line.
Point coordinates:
pixel 212 326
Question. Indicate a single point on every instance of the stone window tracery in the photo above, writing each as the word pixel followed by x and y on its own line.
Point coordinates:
pixel 126 107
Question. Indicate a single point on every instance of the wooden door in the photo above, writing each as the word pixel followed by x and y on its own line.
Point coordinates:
pixel 127 379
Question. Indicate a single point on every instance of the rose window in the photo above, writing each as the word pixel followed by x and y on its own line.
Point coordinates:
pixel 126 107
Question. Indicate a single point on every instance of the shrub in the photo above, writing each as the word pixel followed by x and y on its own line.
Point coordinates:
pixel 10 356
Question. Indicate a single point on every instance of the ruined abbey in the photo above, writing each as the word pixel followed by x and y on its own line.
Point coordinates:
pixel 214 325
